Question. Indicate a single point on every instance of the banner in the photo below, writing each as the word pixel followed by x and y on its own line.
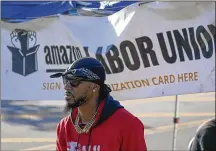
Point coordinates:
pixel 148 50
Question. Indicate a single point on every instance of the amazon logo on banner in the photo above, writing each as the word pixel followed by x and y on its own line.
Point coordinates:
pixel 169 47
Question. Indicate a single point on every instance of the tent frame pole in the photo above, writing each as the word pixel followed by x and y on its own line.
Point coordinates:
pixel 175 122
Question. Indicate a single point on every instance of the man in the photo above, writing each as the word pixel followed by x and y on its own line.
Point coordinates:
pixel 96 121
pixel 205 137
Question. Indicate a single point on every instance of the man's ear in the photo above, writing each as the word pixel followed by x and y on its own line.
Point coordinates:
pixel 96 87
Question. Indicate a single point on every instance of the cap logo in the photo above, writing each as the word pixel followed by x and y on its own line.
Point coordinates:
pixel 82 72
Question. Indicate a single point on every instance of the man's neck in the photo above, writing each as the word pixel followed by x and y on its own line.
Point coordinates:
pixel 88 109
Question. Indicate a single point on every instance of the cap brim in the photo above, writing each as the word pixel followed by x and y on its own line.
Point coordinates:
pixel 56 75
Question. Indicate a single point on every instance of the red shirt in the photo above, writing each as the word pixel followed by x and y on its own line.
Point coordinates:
pixel 116 130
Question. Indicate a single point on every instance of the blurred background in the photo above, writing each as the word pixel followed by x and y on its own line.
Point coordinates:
pixel 31 125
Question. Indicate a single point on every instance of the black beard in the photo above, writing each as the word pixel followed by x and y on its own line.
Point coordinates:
pixel 78 102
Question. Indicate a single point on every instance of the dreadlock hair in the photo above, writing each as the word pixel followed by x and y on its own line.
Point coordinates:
pixel 103 91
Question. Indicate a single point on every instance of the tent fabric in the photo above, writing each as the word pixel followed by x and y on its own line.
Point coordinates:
pixel 19 11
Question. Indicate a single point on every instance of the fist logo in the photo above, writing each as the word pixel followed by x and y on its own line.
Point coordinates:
pixel 32 38
pixel 24 51
pixel 21 37
pixel 15 40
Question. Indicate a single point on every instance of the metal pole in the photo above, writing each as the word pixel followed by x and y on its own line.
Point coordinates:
pixel 175 122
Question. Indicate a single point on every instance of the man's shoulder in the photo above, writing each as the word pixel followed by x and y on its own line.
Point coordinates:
pixel 124 113
pixel 64 121
pixel 124 116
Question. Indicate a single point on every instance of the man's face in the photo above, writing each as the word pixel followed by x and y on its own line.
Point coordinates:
pixel 76 90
